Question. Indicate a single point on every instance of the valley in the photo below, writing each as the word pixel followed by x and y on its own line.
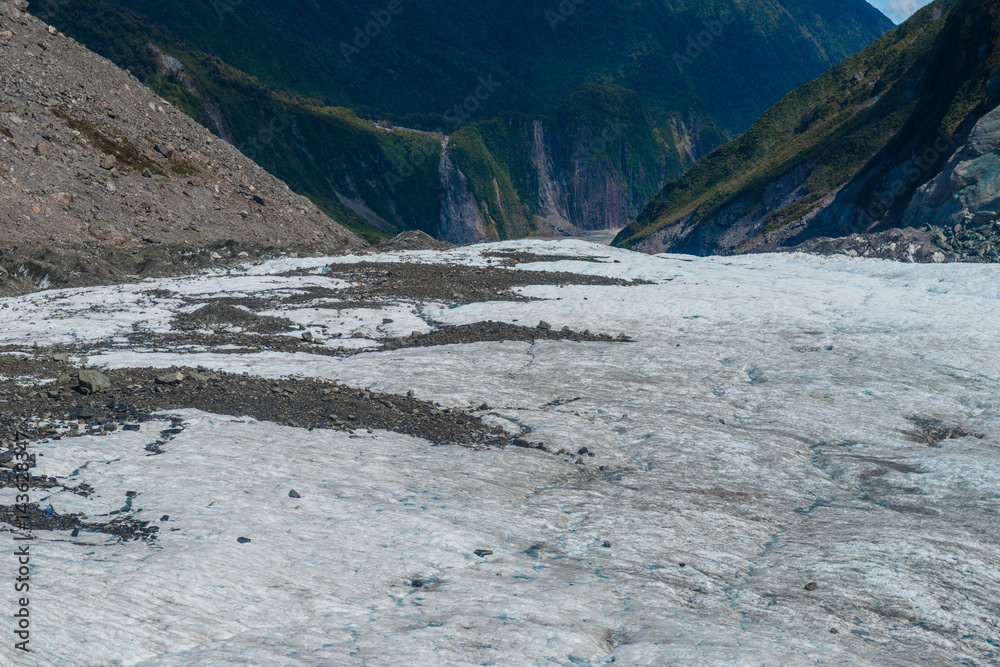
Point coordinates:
pixel 512 333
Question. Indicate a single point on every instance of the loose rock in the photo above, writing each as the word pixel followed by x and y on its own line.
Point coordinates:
pixel 165 151
pixel 93 382
pixel 170 378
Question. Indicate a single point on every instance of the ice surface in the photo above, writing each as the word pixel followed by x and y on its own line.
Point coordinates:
pixel 763 431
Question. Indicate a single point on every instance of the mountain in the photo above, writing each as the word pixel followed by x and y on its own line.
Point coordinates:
pixel 459 119
pixel 901 136
pixel 93 161
pixel 423 59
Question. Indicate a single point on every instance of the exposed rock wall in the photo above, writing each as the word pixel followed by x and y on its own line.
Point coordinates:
pixel 461 219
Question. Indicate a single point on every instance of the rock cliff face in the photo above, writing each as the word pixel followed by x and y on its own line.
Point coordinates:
pixel 461 220
pixel 590 165
pixel 960 206
pixel 904 135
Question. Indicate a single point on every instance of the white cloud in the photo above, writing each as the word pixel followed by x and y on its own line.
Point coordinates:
pixel 899 10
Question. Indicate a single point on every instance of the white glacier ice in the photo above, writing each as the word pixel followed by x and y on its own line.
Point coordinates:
pixel 762 433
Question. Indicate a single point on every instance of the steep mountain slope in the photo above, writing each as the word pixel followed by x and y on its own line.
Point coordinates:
pixel 903 134
pixel 89 156
pixel 443 65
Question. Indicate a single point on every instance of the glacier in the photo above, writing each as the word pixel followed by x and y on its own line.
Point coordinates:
pixel 794 462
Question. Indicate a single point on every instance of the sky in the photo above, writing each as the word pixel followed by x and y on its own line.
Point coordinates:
pixel 899 10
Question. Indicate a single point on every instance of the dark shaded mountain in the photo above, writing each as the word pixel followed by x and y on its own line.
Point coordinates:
pixel 429 56
pixel 296 85
pixel 903 135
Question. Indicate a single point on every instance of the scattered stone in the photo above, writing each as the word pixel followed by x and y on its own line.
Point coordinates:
pixel 165 517
pixel 197 377
pixel 544 326
pixel 682 564
pixel 64 358
pixel 42 149
pixel 242 540
pixel 93 382
pixel 812 586
pixel 259 200
pixel 131 427
pixel 482 553
pixel 75 533
pixel 108 162
pixel 307 336
pixel 417 583
pixel 606 545
pixel 170 378
pixel 165 151
pixel 583 450
pixel 294 494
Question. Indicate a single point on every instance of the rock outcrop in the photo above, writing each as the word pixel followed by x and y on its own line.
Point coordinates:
pixel 961 205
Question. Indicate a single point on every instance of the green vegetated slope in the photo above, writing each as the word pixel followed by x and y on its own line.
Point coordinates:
pixel 827 151
pixel 431 54
pixel 272 77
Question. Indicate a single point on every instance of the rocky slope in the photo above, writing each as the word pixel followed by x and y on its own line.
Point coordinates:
pixel 89 158
pixel 295 105
pixel 904 135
